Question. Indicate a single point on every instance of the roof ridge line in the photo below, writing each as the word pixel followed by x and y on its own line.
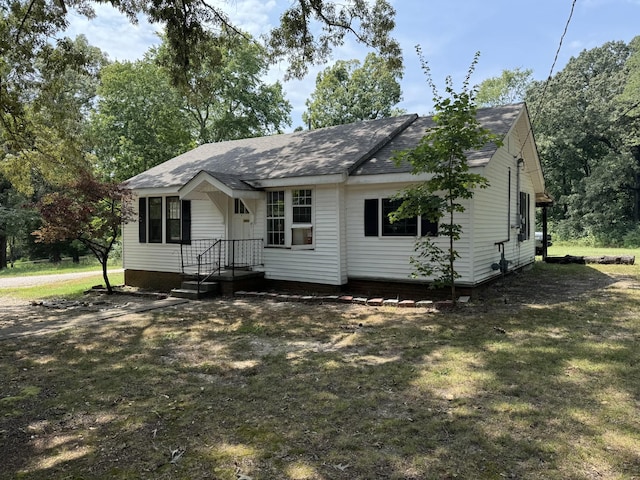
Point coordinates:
pixel 378 146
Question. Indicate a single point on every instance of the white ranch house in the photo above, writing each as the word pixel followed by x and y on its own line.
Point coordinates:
pixel 307 210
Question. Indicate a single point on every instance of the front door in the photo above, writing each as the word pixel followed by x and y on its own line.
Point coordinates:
pixel 241 229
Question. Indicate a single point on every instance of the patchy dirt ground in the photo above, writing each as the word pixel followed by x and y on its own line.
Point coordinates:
pixel 567 283
pixel 523 382
pixel 19 317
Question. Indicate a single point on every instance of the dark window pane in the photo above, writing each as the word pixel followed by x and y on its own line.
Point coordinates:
pixel 406 227
pixel 155 219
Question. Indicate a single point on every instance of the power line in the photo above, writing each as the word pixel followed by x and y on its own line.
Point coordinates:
pixel 548 81
pixel 555 60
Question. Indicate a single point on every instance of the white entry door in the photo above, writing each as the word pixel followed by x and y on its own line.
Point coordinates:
pixel 241 229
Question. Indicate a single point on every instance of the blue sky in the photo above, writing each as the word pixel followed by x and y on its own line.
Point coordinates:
pixel 508 34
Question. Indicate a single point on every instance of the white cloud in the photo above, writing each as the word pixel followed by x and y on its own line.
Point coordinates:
pixel 113 33
pixel 252 16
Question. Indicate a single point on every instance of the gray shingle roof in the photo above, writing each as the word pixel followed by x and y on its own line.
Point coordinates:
pixel 325 151
pixel 497 119
pixel 363 148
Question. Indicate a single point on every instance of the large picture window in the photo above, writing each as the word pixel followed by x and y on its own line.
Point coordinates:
pixel 377 223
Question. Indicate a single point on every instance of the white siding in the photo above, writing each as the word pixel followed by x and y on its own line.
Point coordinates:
pixel 495 216
pixel 206 223
pixel 389 257
pixel 322 264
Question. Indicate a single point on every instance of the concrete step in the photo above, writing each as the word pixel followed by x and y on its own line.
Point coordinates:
pixel 213 287
pixel 189 290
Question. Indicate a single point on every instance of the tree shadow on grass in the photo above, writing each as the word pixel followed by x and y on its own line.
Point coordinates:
pixel 289 391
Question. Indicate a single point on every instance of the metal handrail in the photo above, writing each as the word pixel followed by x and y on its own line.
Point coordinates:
pixel 244 254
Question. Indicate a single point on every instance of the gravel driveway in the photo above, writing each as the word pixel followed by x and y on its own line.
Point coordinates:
pixel 35 280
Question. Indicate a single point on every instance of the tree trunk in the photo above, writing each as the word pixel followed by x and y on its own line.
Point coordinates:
pixel 3 251
pixel 602 259
pixel 611 259
pixel 105 276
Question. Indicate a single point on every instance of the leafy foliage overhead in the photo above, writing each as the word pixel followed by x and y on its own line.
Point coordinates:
pixel 510 87
pixel 348 92
pixel 43 112
pixel 139 121
pixel 225 96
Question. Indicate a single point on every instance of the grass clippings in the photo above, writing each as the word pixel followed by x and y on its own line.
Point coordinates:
pixel 536 378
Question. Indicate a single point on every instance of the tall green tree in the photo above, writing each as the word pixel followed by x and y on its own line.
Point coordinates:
pixel 16 218
pixel 46 141
pixel 348 92
pixel 442 153
pixel 306 34
pixel 224 94
pixel 140 120
pixel 581 131
pixel 510 87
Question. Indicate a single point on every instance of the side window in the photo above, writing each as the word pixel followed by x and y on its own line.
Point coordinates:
pixel 301 213
pixel 407 227
pixel 525 219
pixel 177 218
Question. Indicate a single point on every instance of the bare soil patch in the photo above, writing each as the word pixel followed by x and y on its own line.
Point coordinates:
pixel 536 378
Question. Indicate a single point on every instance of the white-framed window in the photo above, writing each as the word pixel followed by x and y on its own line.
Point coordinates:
pixel 302 215
pixel 290 218
pixel 239 207
pixel 174 220
pixel 275 218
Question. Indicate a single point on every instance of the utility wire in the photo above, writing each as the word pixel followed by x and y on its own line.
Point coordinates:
pixel 548 81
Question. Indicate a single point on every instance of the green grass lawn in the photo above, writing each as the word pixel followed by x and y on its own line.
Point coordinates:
pixel 74 288
pixel 46 268
pixel 562 249
pixel 537 378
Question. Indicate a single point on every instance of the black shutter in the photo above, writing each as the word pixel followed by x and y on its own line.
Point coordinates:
pixel 142 220
pixel 186 222
pixel 371 217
